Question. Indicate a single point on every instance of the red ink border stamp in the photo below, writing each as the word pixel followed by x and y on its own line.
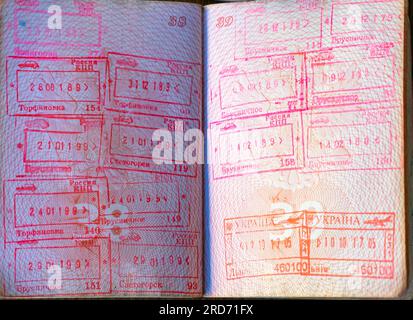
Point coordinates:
pixel 55 146
pixel 36 209
pixel 352 140
pixel 130 143
pixel 356 23
pixel 311 244
pixel 267 143
pixel 30 27
pixel 55 86
pixel 84 263
pixel 148 204
pixel 278 88
pixel 349 78
pixel 168 263
pixel 278 32
pixel 155 86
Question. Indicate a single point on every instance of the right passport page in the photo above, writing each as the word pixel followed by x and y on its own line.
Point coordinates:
pixel 304 104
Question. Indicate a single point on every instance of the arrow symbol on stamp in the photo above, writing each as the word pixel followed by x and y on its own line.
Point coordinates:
pixel 229 226
pixel 123 119
pixel 31 187
pixel 86 87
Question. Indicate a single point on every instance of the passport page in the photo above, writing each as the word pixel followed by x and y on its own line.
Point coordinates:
pixel 305 121
pixel 85 209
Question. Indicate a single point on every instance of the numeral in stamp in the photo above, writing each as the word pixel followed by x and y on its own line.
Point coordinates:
pixel 256 144
pixel 130 145
pixel 163 262
pixel 279 87
pixel 30 27
pixel 363 22
pixel 353 140
pixel 155 86
pixel 55 86
pixel 37 209
pixel 328 244
pixel 54 146
pixel 147 204
pixel 262 33
pixel 80 266
pixel 350 78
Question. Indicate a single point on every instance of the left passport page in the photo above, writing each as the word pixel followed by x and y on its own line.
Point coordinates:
pixel 85 209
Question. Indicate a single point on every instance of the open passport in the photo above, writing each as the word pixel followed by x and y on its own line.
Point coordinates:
pixel 253 149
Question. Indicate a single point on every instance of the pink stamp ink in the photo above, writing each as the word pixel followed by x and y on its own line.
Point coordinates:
pixel 256 144
pixel 352 140
pixel 278 88
pixel 165 262
pixel 84 266
pixel 356 23
pixel 338 79
pixel 56 145
pixel 154 85
pixel 317 244
pixel 131 146
pixel 263 33
pixel 37 209
pixel 30 27
pixel 147 204
pixel 55 86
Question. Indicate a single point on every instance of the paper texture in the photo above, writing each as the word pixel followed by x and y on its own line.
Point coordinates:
pixel 85 210
pixel 304 106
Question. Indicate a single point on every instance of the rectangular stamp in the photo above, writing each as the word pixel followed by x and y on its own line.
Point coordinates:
pixel 279 87
pixel 147 204
pixel 31 28
pixel 363 22
pixel 50 146
pixel 329 244
pixel 349 78
pixel 55 86
pixel 131 146
pixel 59 267
pixel 158 262
pixel 264 31
pixel 256 144
pixel 155 86
pixel 36 209
pixel 353 140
